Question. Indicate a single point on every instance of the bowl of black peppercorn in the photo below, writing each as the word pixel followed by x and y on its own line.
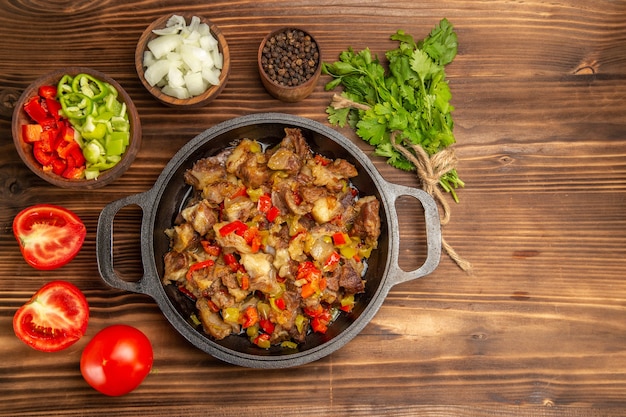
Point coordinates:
pixel 289 64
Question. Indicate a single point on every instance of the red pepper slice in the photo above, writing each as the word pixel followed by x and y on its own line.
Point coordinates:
pixel 197 266
pixel 321 160
pixel 58 166
pixel 332 261
pixel 250 317
pixel 211 249
pixel 265 203
pixel 318 325
pixel 31 133
pixel 245 282
pixel 237 226
pixel 267 326
pixel 53 107
pixel 272 214
pixel 242 192
pixel 280 303
pixel 35 110
pixel 339 239
pixel 47 91
pixel 232 262
pixel 73 173
pixel 42 153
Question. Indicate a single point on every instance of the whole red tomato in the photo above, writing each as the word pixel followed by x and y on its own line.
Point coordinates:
pixel 116 360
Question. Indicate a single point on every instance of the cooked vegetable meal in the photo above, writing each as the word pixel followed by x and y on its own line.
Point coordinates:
pixel 273 242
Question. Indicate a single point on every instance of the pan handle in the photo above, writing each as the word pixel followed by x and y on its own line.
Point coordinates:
pixel 104 243
pixel 433 234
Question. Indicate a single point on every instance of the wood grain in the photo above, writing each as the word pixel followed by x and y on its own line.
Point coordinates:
pixel 539 329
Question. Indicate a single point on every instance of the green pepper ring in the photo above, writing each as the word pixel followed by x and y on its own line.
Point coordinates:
pixel 76 105
pixel 100 86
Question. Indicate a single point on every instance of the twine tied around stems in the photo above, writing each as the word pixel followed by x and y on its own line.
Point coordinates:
pixel 429 170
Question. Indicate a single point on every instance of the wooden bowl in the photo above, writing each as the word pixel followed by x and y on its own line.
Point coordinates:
pixel 25 150
pixel 196 101
pixel 280 90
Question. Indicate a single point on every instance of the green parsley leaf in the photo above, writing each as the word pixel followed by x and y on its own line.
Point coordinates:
pixel 412 98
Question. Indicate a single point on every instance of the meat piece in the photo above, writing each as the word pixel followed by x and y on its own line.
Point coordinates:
pixel 350 280
pixel 239 208
pixel 216 193
pixel 212 323
pixel 261 271
pixel 182 237
pixel 311 193
pixel 176 266
pixel 342 169
pixel 201 216
pixel 288 197
pixel 324 177
pixel 332 280
pixel 249 164
pixel 367 221
pixel 285 160
pixel 205 172
pixel 295 141
pixel 254 173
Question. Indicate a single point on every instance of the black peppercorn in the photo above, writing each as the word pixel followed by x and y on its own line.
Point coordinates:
pixel 290 57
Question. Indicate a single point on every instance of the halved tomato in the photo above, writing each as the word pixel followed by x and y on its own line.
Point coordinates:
pixel 54 318
pixel 49 236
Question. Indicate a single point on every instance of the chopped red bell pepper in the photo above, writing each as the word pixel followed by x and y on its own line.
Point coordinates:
pixel 54 145
pixel 53 108
pixel 212 306
pixel 272 214
pixel 188 293
pixel 31 133
pixel 73 173
pixel 339 239
pixel 47 91
pixel 332 261
pixel 280 303
pixel 267 326
pixel 58 166
pixel 242 192
pixel 245 282
pixel 262 341
pixel 237 226
pixel 42 152
pixel 197 266
pixel 265 203
pixel 35 110
pixel 232 262
pixel 250 317
pixel 318 325
pixel 210 248
pixel 321 160
pixel 253 238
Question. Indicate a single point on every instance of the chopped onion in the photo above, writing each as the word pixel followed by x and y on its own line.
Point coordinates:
pixel 183 60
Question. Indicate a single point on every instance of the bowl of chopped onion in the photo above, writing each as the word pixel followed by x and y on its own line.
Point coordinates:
pixel 76 127
pixel 183 60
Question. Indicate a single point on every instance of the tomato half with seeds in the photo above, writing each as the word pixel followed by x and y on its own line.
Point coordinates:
pixel 54 318
pixel 117 359
pixel 49 236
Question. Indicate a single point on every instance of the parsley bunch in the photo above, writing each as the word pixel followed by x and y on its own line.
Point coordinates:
pixel 406 107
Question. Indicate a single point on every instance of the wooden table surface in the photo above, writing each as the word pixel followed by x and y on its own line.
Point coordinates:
pixel 539 328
